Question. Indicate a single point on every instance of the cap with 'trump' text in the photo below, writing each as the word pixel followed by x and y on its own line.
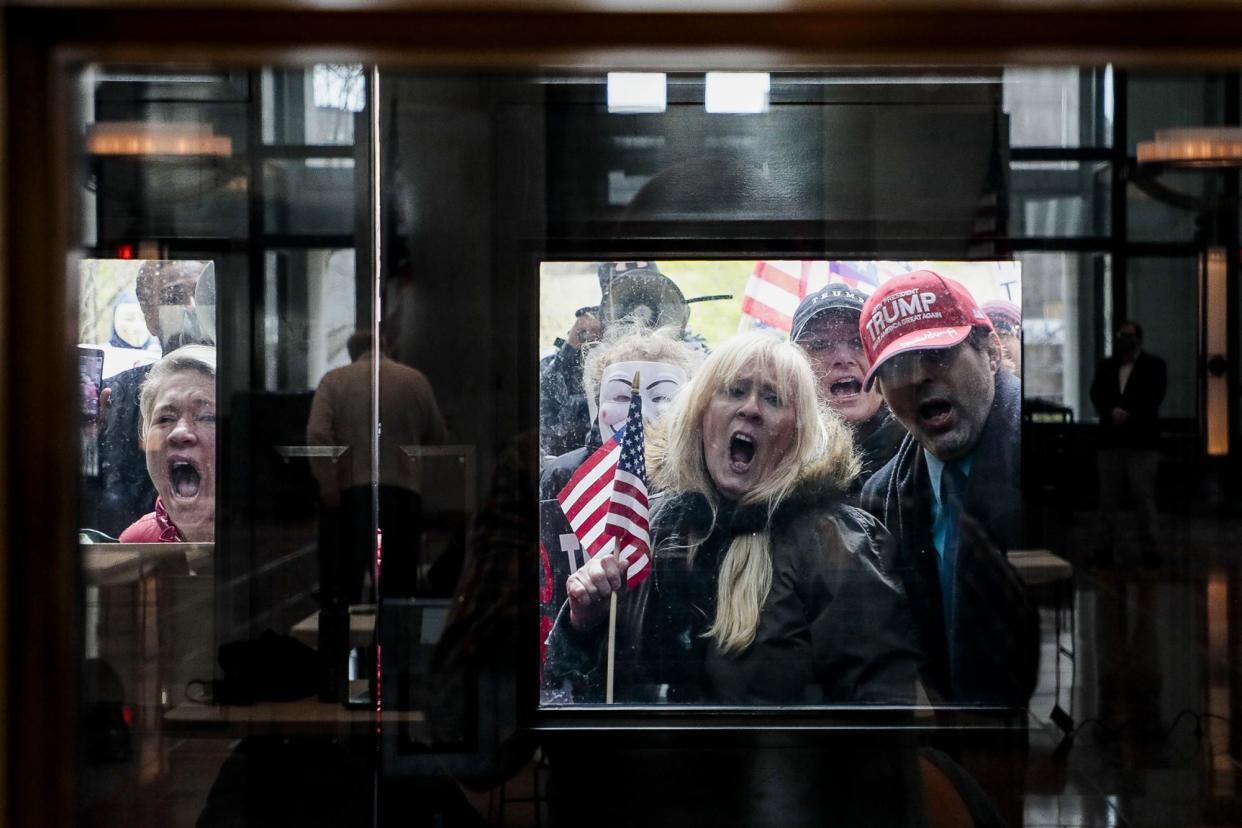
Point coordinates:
pixel 915 312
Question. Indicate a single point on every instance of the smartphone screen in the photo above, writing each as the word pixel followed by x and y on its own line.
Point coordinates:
pixel 90 380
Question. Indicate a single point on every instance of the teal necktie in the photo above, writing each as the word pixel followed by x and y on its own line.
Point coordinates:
pixel 952 490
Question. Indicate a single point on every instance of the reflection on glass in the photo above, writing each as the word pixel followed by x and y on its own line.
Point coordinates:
pixel 1059 198
pixel 1056 107
pixel 312 196
pixel 314 106
pixel 309 311
pixel 1058 335
pixel 254 644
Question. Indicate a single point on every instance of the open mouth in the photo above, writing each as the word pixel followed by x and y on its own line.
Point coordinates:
pixel 936 413
pixel 845 387
pixel 185 478
pixel 741 452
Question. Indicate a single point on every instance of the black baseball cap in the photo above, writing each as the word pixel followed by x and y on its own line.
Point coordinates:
pixel 832 297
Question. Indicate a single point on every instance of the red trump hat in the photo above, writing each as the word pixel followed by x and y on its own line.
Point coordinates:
pixel 916 312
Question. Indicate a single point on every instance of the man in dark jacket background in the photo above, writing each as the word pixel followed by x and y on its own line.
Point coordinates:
pixel 1126 391
pixel 951 496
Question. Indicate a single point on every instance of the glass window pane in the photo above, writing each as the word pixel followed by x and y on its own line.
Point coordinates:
pixel 1153 218
pixel 240 519
pixel 310 300
pixel 1168 100
pixel 316 106
pixel 1057 107
pixel 310 197
pixel 377 608
pixel 1059 198
pixel 1060 301
pixel 1163 296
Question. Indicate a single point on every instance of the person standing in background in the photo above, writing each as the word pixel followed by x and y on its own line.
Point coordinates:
pixel 1127 391
pixel 341 415
pixel 1007 322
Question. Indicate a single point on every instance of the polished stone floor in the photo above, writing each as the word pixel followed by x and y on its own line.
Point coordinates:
pixel 1151 677
pixel 1148 666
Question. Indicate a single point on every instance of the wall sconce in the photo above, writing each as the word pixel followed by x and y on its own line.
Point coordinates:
pixel 1200 147
pixel 155 139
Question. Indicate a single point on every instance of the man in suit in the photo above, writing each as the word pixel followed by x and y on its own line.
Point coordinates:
pixel 951 495
pixel 1127 391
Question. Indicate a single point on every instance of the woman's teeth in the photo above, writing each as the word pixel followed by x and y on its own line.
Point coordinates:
pixel 741 449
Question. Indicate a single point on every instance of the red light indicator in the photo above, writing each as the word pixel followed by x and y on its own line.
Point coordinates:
pixel 125 251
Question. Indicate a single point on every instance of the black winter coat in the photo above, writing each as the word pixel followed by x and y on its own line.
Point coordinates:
pixel 996 648
pixel 834 627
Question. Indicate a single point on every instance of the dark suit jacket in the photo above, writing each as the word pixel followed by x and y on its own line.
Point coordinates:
pixel 1142 398
pixel 994 657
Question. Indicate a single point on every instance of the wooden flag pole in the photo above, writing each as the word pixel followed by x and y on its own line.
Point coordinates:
pixel 612 644
pixel 612 601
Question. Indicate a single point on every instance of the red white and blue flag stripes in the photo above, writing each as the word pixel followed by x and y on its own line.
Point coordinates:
pixel 606 499
pixel 776 287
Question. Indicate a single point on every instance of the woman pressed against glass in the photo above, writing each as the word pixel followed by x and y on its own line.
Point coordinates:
pixel 767 587
pixel 177 407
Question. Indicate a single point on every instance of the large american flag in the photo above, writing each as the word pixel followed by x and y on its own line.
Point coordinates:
pixel 606 499
pixel 776 287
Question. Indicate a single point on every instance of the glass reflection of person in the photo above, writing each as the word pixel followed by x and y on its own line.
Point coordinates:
pixel 767 586
pixel 825 325
pixel 340 416
pixel 663 362
pixel 1127 391
pixel 951 495
pixel 178 436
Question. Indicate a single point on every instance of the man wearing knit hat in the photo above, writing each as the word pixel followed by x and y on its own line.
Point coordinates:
pixel 951 495
pixel 825 325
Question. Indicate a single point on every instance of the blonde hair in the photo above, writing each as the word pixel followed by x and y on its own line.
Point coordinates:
pixel 821 441
pixel 630 342
pixel 194 358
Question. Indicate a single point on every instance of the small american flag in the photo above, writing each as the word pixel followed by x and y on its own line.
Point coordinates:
pixel 606 499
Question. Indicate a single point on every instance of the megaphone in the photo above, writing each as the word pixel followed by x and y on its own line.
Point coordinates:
pixel 644 296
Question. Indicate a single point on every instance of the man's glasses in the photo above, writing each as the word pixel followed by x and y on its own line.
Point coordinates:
pixel 904 365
